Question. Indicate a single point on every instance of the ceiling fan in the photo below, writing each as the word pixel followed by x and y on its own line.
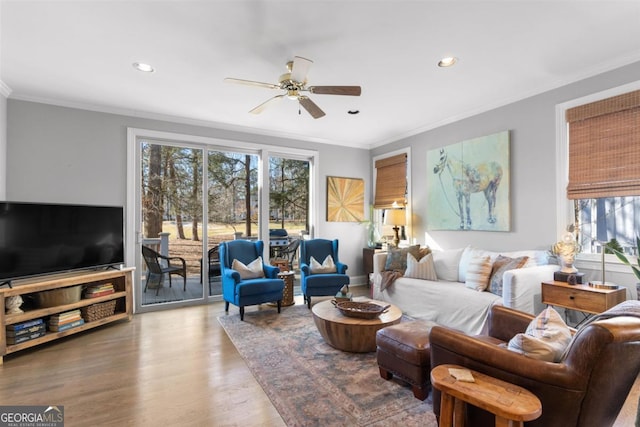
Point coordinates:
pixel 294 82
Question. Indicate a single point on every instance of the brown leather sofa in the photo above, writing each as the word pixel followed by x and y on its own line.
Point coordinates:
pixel 586 388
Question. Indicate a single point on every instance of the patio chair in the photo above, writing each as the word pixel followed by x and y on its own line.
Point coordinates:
pixel 289 252
pixel 317 283
pixel 156 269
pixel 213 257
pixel 248 287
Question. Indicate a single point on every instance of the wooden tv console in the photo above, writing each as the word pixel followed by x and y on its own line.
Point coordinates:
pixel 122 281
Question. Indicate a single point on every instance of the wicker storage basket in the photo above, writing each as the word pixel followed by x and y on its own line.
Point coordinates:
pixel 363 310
pixel 98 311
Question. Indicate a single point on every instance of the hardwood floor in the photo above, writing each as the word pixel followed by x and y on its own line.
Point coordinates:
pixel 173 368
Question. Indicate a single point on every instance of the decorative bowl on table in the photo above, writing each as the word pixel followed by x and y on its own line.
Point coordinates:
pixel 360 309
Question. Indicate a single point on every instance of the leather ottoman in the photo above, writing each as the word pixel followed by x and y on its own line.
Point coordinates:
pixel 403 350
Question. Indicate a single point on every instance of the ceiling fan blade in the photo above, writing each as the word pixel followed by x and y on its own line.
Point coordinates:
pixel 311 107
pixel 260 108
pixel 336 90
pixel 252 83
pixel 300 69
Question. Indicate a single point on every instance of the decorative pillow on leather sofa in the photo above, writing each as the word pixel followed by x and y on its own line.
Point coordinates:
pixel 546 337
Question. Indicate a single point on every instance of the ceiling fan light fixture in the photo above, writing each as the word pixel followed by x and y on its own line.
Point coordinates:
pixel 292 94
pixel 447 61
pixel 141 66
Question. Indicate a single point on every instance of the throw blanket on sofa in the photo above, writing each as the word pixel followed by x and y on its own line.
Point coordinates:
pixel 387 278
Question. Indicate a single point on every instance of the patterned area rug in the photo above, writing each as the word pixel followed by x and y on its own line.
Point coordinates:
pixel 312 384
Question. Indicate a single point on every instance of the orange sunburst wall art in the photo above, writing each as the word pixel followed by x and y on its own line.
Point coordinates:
pixel 345 199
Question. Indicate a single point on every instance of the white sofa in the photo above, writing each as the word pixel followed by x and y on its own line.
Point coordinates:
pixel 449 302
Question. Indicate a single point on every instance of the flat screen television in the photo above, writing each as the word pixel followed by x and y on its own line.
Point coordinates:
pixel 44 238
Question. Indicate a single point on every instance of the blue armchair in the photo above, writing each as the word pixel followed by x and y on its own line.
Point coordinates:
pixel 243 292
pixel 320 284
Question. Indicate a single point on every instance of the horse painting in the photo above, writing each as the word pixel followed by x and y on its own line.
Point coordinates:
pixel 468 179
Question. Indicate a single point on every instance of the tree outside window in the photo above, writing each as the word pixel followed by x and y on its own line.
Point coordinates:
pixel 602 220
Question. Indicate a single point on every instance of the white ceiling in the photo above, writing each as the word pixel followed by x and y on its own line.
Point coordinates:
pixel 79 53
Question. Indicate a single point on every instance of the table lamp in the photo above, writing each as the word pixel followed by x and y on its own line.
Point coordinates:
pixel 395 217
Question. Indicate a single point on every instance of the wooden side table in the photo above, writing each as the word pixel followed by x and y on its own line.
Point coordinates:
pixel 585 298
pixel 287 294
pixel 511 404
pixel 367 259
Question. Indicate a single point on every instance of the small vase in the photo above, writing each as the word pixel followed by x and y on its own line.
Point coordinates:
pixel 372 236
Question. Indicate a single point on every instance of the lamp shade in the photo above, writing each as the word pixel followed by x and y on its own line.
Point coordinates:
pixel 395 217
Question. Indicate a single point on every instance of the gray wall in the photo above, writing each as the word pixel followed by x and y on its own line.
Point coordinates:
pixel 69 155
pixel 532 127
pixel 60 154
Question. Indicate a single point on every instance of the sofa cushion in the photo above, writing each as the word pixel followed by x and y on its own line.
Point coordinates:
pixel 423 252
pixel 446 263
pixel 253 270
pixel 327 266
pixel 423 269
pixel 478 273
pixel 447 303
pixel 467 255
pixel 546 337
pixel 500 265
pixel 397 258
pixel 535 257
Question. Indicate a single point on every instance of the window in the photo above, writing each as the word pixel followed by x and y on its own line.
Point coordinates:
pixel 391 181
pixel 289 194
pixel 392 190
pixel 600 220
pixel 604 176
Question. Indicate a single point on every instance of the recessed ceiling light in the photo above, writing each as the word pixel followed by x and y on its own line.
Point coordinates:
pixel 140 66
pixel 447 62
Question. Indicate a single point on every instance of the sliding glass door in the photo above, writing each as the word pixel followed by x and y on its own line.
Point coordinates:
pixel 188 194
pixel 171 222
pixel 232 205
pixel 289 214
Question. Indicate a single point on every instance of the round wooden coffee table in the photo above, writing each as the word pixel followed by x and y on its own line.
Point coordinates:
pixel 351 333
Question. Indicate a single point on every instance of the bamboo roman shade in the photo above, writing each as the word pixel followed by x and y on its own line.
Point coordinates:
pixel 391 181
pixel 604 148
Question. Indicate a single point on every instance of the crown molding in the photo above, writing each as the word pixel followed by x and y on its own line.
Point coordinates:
pixel 181 120
pixel 593 71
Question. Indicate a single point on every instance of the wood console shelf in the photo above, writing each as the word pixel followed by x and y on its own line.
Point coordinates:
pixel 122 281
